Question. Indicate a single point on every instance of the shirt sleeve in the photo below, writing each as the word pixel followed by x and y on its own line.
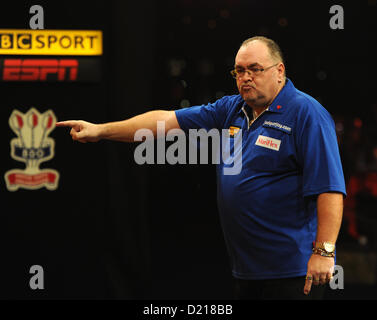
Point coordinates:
pixel 206 116
pixel 318 152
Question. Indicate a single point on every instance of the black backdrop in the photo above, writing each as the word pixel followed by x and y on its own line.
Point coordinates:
pixel 114 229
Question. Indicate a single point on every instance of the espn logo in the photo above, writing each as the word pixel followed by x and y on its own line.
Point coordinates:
pixel 40 69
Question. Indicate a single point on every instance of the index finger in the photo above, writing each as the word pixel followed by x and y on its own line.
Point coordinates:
pixel 308 284
pixel 69 123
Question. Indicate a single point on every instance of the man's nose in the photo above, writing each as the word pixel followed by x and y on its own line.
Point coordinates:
pixel 247 76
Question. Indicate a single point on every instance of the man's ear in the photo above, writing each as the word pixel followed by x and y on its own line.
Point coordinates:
pixel 281 72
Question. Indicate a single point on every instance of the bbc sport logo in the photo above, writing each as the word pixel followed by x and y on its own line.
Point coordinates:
pixel 50 42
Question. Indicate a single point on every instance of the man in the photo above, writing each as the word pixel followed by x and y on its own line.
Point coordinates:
pixel 282 213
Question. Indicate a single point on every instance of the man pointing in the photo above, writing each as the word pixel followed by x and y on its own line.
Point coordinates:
pixel 282 213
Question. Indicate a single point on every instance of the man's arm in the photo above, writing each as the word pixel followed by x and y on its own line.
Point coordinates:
pixel 124 131
pixel 329 214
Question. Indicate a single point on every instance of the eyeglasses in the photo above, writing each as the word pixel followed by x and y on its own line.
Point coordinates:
pixel 253 72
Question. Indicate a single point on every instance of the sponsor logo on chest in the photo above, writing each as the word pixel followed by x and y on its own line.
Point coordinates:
pixel 277 125
pixel 267 142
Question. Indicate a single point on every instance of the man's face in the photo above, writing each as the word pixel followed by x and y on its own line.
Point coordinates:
pixel 259 90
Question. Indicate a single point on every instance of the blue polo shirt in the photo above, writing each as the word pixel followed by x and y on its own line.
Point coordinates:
pixel 290 155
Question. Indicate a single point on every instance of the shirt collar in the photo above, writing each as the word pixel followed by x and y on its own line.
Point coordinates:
pixel 278 105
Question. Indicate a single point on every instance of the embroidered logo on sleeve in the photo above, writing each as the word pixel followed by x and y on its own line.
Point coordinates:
pixel 233 131
pixel 267 142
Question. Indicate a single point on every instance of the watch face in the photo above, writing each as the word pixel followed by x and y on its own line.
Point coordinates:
pixel 329 247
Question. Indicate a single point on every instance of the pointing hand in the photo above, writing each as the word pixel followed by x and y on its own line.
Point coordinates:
pixel 82 131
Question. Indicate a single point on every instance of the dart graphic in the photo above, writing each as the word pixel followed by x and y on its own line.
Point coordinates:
pixel 32 120
pixel 32 146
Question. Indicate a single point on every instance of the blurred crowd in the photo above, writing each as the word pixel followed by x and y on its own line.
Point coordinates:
pixel 357 138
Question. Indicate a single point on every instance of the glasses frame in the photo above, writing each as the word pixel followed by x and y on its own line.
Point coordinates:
pixel 251 73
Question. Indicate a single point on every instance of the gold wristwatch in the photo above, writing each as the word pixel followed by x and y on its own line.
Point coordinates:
pixel 326 246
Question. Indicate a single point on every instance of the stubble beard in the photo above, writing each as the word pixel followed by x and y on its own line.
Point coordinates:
pixel 258 102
